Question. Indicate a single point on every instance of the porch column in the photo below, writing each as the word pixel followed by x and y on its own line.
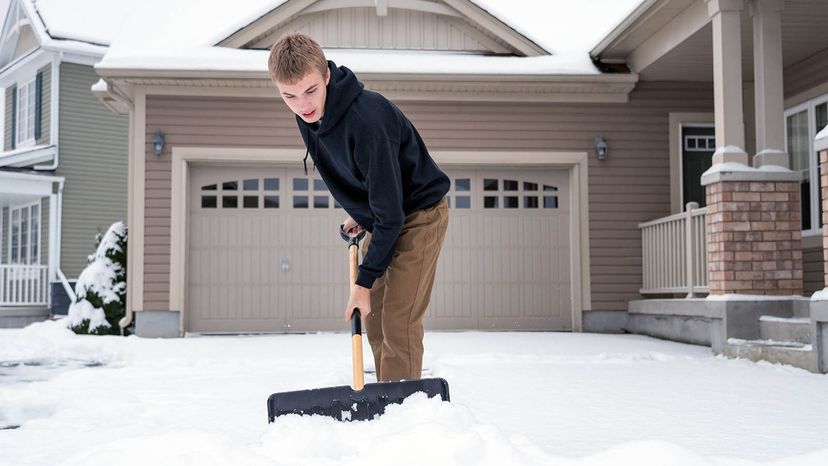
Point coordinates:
pixel 819 301
pixel 727 80
pixel 821 146
pixel 767 71
pixel 754 244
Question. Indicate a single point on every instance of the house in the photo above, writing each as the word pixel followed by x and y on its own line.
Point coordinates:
pixel 63 167
pixel 569 171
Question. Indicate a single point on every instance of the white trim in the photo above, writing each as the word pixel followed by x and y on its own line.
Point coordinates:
pixel 813 163
pixel 20 208
pixel 24 67
pixel 576 162
pixel 30 121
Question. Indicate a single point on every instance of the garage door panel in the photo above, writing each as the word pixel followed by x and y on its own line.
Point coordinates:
pixel 504 264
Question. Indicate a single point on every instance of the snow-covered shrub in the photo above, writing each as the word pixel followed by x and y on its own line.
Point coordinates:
pixel 101 287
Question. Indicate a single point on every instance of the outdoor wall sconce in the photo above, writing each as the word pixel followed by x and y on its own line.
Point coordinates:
pixel 158 143
pixel 601 148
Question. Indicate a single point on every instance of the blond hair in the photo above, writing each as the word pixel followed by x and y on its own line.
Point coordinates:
pixel 293 57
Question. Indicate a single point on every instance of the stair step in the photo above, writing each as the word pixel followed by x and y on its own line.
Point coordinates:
pixel 797 329
pixel 793 353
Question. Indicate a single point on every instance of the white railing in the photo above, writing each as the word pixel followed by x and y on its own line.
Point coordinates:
pixel 24 285
pixel 674 253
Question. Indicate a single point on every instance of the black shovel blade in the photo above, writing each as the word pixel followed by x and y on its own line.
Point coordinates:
pixel 346 404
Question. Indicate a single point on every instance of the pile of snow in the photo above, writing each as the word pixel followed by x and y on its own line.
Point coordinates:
pixel 517 399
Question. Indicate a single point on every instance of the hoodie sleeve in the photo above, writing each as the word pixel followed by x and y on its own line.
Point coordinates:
pixel 378 159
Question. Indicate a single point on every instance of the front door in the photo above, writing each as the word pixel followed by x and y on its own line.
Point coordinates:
pixel 698 142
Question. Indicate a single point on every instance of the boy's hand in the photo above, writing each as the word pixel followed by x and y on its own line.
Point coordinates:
pixel 350 227
pixel 360 298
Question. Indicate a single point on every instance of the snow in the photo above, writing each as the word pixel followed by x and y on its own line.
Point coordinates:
pixel 562 26
pixel 822 134
pixel 751 297
pixel 786 320
pixel 821 295
pixel 360 61
pixel 93 21
pixel 517 399
pixel 184 38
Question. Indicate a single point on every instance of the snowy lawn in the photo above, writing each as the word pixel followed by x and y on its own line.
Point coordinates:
pixel 517 398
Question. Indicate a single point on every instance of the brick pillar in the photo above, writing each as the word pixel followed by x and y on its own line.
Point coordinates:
pixel 823 184
pixel 754 243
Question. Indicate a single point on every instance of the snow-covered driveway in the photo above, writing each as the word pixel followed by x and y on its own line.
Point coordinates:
pixel 518 398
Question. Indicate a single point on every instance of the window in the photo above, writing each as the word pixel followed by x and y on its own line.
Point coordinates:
pixel 250 193
pixel 801 125
pixel 24 234
pixel 26 97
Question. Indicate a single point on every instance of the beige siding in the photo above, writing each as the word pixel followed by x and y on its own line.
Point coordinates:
pixel 806 75
pixel 93 158
pixel 26 42
pixel 632 186
pixel 401 29
pixel 7 132
pixel 812 270
pixel 45 105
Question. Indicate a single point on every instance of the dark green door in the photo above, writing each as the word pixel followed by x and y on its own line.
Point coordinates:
pixel 697 146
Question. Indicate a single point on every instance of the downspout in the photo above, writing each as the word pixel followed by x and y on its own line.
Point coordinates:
pixel 125 321
pixel 54 123
pixel 63 281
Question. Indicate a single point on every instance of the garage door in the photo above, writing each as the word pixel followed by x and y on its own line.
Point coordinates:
pixel 264 254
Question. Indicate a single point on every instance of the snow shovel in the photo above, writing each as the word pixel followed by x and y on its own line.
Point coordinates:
pixel 364 401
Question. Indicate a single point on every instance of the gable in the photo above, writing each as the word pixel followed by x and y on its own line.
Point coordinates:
pixel 421 25
pixel 362 28
pixel 26 42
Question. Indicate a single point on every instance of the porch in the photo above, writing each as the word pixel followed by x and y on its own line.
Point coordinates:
pixel 30 206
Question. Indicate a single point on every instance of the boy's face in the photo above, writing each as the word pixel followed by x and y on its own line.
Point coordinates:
pixel 306 97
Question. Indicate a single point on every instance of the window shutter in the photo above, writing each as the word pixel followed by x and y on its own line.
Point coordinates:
pixel 14 118
pixel 38 101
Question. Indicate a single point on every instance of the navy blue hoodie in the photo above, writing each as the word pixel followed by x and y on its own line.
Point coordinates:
pixel 374 163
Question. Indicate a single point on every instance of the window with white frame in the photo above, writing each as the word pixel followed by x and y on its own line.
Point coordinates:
pixel 26 101
pixel 24 234
pixel 802 123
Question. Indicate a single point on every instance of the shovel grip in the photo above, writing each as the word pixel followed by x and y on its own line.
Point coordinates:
pixel 356 321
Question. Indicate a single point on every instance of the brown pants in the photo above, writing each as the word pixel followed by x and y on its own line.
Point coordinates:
pixel 400 297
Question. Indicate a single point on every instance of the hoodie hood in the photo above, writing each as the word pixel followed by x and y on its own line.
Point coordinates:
pixel 342 89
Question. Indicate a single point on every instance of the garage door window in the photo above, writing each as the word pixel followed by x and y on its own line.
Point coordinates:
pixel 460 193
pixel 518 194
pixel 250 193
pixel 312 194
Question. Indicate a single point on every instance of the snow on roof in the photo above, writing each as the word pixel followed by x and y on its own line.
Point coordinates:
pixel 561 26
pixel 92 21
pixel 364 61
pixel 179 35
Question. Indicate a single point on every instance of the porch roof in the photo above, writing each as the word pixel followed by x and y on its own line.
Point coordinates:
pixel 19 188
pixel 671 40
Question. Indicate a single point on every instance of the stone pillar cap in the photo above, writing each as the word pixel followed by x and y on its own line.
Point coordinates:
pixel 734 171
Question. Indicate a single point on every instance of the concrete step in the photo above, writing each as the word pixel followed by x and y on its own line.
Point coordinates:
pixel 785 329
pixel 793 353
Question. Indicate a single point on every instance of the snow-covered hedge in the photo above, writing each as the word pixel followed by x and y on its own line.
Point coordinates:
pixel 101 287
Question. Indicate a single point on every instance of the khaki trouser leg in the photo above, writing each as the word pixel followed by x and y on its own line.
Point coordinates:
pixel 399 299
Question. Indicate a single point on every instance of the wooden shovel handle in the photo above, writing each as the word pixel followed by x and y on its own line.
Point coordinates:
pixel 356 323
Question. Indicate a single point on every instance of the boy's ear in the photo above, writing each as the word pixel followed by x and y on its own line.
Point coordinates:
pixel 327 76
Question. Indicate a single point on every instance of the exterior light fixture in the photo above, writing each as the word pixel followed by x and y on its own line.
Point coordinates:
pixel 158 143
pixel 601 148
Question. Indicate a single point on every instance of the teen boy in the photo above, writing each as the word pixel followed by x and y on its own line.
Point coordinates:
pixel 378 169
